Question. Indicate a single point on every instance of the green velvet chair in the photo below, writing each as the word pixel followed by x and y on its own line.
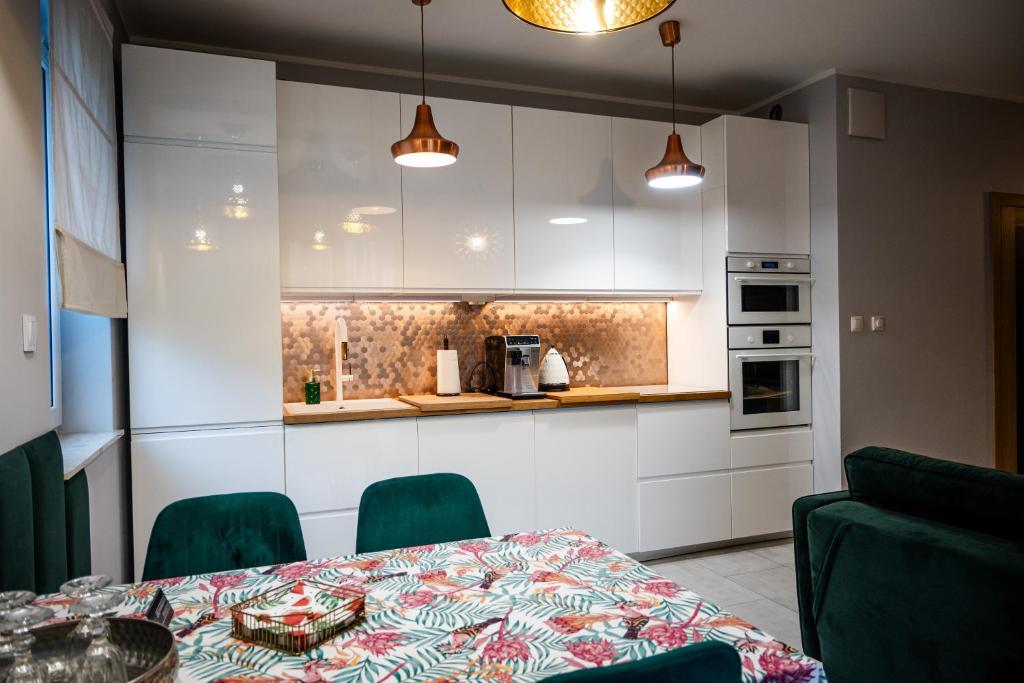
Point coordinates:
pixel 17 538
pixel 915 573
pixel 222 533
pixel 707 662
pixel 419 510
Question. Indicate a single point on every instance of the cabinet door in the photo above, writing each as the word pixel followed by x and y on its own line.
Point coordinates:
pixel 329 534
pixel 493 451
pixel 341 191
pixel 762 500
pixel 586 472
pixel 329 465
pixel 458 218
pixel 683 437
pixel 175 465
pixel 173 94
pixel 767 186
pixel 657 232
pixel 563 200
pixel 684 511
pixel 204 306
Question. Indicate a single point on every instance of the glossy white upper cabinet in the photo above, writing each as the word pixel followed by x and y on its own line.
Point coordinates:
pixel 762 166
pixel 341 191
pixel 657 231
pixel 563 200
pixel 204 313
pixel 458 218
pixel 198 97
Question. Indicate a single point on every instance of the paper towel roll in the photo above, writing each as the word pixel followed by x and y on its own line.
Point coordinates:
pixel 448 383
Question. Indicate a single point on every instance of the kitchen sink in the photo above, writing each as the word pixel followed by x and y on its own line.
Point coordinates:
pixel 359 404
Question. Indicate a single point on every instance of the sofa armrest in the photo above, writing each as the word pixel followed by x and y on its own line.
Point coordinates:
pixel 802 507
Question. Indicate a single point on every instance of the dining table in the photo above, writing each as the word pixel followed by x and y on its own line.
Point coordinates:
pixel 518 607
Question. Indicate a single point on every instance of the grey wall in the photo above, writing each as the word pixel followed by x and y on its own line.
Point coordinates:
pixel 25 398
pixel 914 246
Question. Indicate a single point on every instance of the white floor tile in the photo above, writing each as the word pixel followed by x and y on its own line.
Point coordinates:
pixel 780 554
pixel 735 562
pixel 778 584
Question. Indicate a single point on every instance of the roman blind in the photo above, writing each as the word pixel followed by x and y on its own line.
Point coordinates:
pixel 85 204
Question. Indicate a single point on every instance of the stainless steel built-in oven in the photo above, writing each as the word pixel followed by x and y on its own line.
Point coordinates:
pixel 769 290
pixel 770 376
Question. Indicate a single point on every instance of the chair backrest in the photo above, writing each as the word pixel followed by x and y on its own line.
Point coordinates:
pixel 46 463
pixel 419 510
pixel 17 543
pixel 706 662
pixel 223 532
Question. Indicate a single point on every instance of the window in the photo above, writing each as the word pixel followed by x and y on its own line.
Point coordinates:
pixel 51 263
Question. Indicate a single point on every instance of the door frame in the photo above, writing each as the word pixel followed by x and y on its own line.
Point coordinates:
pixel 1004 327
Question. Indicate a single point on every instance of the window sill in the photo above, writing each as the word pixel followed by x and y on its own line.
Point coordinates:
pixel 81 449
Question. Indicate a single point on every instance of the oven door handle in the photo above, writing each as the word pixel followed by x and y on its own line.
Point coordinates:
pixel 775 356
pixel 776 280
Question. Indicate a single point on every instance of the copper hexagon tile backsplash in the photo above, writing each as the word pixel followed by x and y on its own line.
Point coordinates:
pixel 392 344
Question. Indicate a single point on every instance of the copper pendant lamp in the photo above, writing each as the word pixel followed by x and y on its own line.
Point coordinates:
pixel 424 147
pixel 586 16
pixel 675 169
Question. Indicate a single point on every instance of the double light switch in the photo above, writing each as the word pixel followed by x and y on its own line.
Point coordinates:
pixel 857 323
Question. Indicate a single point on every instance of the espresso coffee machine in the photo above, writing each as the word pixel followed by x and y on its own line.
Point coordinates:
pixel 512 365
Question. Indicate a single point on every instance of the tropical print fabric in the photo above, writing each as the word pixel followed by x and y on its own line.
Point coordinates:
pixel 520 607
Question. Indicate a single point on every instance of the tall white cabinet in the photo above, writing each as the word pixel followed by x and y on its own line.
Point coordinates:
pixel 341 191
pixel 203 274
pixel 459 232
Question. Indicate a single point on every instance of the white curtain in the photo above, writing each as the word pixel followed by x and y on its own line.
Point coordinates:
pixel 85 160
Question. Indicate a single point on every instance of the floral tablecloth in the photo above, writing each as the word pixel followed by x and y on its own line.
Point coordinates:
pixel 514 608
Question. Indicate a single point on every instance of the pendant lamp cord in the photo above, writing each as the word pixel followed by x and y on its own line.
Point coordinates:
pixel 673 89
pixel 423 60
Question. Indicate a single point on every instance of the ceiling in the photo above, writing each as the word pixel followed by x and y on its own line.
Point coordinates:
pixel 735 53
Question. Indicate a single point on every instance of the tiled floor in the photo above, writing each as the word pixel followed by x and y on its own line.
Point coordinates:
pixel 757 582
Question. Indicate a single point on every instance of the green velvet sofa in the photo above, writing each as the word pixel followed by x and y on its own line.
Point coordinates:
pixel 914 574
pixel 44 520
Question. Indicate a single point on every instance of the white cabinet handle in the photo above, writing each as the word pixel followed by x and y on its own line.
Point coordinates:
pixel 775 356
pixel 775 280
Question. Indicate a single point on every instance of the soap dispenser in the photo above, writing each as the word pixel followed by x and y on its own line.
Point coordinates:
pixel 313 387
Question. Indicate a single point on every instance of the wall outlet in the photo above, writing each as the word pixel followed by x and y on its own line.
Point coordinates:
pixel 856 323
pixel 30 333
pixel 878 323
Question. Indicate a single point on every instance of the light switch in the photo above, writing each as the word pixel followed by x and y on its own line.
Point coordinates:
pixel 856 323
pixel 30 333
pixel 878 323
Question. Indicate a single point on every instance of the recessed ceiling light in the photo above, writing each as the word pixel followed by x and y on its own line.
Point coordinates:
pixel 374 210
pixel 568 220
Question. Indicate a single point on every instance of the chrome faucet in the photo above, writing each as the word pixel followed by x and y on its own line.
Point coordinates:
pixel 340 356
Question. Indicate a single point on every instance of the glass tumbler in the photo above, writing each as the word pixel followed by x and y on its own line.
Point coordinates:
pixel 20 620
pixel 92 657
pixel 8 601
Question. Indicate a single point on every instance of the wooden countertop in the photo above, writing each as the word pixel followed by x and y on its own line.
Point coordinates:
pixel 469 403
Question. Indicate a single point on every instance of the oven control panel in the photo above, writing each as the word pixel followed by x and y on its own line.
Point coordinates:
pixel 767 264
pixel 770 336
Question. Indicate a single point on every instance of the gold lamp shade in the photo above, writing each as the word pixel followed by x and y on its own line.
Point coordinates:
pixel 586 16
pixel 675 169
pixel 424 147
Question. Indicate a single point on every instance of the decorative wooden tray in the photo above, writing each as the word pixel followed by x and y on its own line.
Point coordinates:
pixel 429 403
pixel 594 395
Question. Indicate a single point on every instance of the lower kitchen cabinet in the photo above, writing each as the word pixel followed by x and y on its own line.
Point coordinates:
pixel 329 534
pixel 586 472
pixel 171 466
pixel 495 452
pixel 682 437
pixel 684 511
pixel 329 465
pixel 762 499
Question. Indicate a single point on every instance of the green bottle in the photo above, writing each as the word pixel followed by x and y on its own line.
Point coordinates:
pixel 313 387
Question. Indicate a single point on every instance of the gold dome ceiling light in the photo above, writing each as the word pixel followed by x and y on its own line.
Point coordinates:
pixel 586 16
pixel 675 170
pixel 424 147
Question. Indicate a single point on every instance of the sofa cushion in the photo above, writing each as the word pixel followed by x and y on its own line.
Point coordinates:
pixel 17 560
pixel 49 528
pixel 966 496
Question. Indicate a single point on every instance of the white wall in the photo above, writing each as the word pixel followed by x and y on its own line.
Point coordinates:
pixel 25 397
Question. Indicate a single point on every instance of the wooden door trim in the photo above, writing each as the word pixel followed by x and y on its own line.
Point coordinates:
pixel 1004 327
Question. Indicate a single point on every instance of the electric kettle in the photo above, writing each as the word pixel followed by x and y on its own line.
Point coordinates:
pixel 554 376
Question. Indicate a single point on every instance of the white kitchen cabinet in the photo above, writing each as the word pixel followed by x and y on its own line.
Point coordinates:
pixel 586 472
pixel 763 167
pixel 682 437
pixel 340 188
pixel 657 232
pixel 204 313
pixel 329 465
pixel 684 511
pixel 198 97
pixel 759 447
pixel 495 452
pixel 172 466
pixel 458 219
pixel 563 200
pixel 329 534
pixel 762 499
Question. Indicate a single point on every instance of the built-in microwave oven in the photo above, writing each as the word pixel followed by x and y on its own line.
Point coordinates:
pixel 770 376
pixel 768 290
